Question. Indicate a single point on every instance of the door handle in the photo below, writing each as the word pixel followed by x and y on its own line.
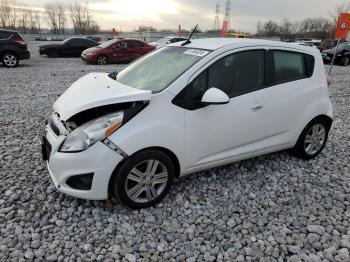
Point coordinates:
pixel 257 107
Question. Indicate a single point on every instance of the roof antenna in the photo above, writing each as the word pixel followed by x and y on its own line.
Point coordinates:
pixel 188 41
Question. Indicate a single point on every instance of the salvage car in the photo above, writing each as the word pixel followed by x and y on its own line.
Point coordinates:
pixel 12 48
pixel 341 57
pixel 185 108
pixel 115 50
pixel 72 47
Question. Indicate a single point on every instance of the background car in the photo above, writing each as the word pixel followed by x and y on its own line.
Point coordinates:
pixel 94 38
pixel 167 40
pixel 341 58
pixel 12 48
pixel 327 44
pixel 114 50
pixel 72 47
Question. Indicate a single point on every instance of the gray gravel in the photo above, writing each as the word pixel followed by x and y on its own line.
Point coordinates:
pixel 271 208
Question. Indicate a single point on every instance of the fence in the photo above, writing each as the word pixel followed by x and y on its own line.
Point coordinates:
pixel 144 36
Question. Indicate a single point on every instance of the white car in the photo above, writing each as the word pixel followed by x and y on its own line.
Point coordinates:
pixel 183 109
pixel 167 40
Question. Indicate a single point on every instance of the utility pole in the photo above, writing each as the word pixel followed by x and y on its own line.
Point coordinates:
pixel 228 14
pixel 216 25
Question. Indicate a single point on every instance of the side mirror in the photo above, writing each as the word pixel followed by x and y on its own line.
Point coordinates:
pixel 214 96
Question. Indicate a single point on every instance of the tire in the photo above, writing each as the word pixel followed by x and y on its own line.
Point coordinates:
pixel 345 61
pixel 310 145
pixel 135 183
pixel 102 60
pixel 52 54
pixel 9 59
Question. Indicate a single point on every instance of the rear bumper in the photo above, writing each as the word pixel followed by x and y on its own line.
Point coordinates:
pixel 23 55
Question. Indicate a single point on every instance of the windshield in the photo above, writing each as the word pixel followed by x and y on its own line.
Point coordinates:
pixel 163 40
pixel 108 43
pixel 159 69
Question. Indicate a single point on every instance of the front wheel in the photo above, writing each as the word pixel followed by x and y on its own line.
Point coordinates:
pixel 102 60
pixel 312 140
pixel 9 60
pixel 144 179
pixel 345 61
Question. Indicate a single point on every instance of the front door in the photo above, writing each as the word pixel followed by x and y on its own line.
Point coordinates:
pixel 220 132
pixel 120 52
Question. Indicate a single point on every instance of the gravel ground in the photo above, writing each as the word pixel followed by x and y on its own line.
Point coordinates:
pixel 271 208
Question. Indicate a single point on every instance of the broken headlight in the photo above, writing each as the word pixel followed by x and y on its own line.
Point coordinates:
pixel 91 132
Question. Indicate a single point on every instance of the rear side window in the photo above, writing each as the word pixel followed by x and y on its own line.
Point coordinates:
pixel 289 66
pixel 135 44
pixel 5 35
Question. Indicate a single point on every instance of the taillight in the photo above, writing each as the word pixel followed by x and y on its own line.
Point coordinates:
pixel 21 42
pixel 329 80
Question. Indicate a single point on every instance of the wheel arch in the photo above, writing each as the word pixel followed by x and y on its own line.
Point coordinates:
pixel 164 150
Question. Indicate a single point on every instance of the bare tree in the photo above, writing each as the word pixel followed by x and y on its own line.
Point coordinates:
pixel 56 16
pixel 82 18
pixel 5 13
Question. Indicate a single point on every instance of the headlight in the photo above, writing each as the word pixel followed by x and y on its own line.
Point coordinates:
pixel 91 132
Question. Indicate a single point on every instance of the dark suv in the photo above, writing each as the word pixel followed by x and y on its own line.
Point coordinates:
pixel 12 48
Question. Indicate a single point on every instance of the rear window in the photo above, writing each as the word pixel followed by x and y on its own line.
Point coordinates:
pixel 17 37
pixel 289 66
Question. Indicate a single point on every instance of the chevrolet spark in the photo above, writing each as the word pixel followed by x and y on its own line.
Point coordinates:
pixel 185 108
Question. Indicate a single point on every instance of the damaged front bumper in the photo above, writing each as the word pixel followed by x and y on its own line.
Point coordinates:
pixel 83 174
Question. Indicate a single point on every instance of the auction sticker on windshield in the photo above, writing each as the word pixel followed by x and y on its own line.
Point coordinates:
pixel 196 52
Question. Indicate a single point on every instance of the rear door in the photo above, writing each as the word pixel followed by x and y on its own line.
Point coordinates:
pixel 291 94
pixel 136 49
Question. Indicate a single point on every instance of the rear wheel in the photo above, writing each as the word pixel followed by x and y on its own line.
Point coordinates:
pixel 144 179
pixel 345 61
pixel 102 60
pixel 9 59
pixel 312 140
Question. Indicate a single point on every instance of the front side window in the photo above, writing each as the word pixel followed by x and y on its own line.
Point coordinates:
pixel 289 66
pixel 236 74
pixel 159 69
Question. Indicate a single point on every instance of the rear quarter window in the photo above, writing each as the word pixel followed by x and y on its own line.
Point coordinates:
pixel 291 66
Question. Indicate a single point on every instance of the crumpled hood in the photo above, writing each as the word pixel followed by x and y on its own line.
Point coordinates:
pixel 94 90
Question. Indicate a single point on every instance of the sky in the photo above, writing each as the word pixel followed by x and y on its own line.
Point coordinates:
pixel 168 14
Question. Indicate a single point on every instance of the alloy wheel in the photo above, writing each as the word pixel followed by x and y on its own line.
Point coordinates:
pixel 146 181
pixel 102 60
pixel 10 60
pixel 315 138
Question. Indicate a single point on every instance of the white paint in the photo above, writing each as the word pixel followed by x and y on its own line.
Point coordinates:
pixel 264 121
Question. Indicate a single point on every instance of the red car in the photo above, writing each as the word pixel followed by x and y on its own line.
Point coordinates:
pixel 115 50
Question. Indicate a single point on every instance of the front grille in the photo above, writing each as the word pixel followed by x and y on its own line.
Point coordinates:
pixel 54 128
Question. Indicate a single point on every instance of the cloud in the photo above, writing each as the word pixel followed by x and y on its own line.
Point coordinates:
pixel 129 14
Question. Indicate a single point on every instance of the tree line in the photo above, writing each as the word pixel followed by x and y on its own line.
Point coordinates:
pixel 25 18
pixel 319 27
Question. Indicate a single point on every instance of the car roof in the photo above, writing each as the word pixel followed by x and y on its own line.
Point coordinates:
pixel 217 43
pixel 8 31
